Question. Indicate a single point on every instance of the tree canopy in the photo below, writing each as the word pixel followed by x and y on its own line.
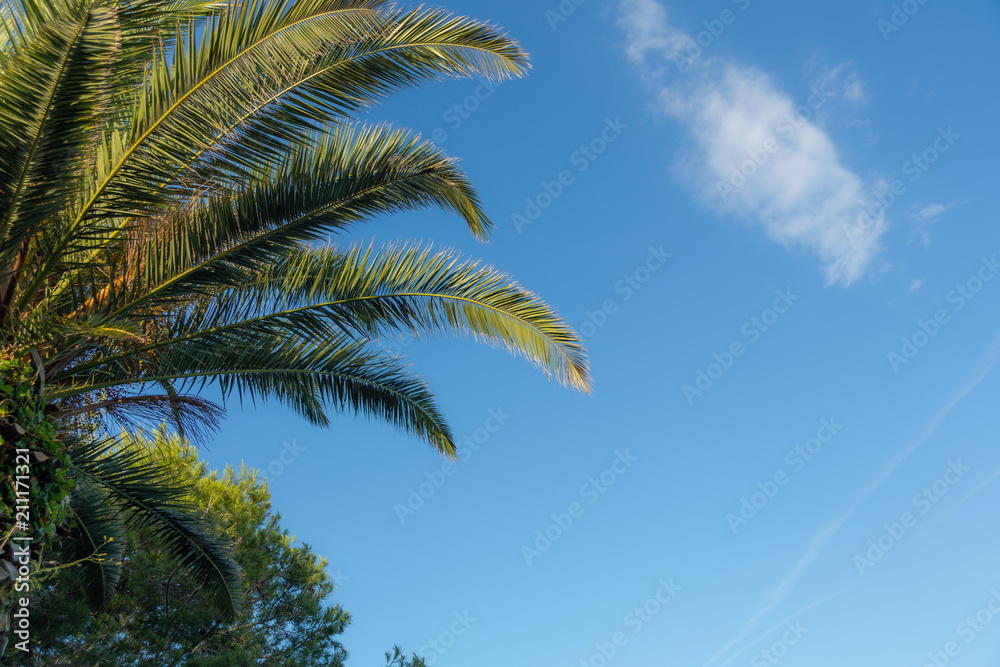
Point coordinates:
pixel 160 613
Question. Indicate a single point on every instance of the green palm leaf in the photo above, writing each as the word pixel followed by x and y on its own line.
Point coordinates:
pixel 342 177
pixel 50 113
pixel 309 374
pixel 146 494
pixel 324 293
pixel 96 540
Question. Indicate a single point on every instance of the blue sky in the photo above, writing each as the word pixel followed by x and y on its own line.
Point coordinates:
pixel 775 223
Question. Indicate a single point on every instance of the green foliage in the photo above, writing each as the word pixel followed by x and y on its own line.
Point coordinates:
pixel 43 465
pixel 159 613
pixel 128 487
pixel 158 157
pixel 79 491
pixel 168 169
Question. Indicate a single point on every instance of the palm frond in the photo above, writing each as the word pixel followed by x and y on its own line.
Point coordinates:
pixel 310 375
pixel 52 98
pixel 96 541
pixel 341 177
pixel 194 417
pixel 148 495
pixel 323 293
pixel 418 291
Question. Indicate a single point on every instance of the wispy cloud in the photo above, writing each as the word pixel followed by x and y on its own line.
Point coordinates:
pixel 854 90
pixel 930 212
pixel 925 215
pixel 843 76
pixel 646 24
pixel 777 595
pixel 755 153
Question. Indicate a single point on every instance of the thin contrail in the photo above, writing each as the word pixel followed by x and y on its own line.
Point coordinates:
pixel 983 365
pixel 942 516
pixel 811 605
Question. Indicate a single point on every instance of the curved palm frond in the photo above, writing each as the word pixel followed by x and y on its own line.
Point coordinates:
pixel 325 293
pixel 51 112
pixel 195 418
pixel 96 541
pixel 418 291
pixel 259 50
pixel 309 374
pixel 344 176
pixel 147 494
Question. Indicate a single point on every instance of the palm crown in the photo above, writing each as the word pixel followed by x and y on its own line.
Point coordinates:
pixel 173 178
pixel 171 174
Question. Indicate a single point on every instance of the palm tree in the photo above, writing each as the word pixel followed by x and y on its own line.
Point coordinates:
pixel 168 171
pixel 174 178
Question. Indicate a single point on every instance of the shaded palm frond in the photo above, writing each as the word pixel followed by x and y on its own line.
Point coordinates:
pixel 96 541
pixel 311 375
pixel 147 494
pixel 194 417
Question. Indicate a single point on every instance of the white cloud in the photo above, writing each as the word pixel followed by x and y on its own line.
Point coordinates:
pixel 755 153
